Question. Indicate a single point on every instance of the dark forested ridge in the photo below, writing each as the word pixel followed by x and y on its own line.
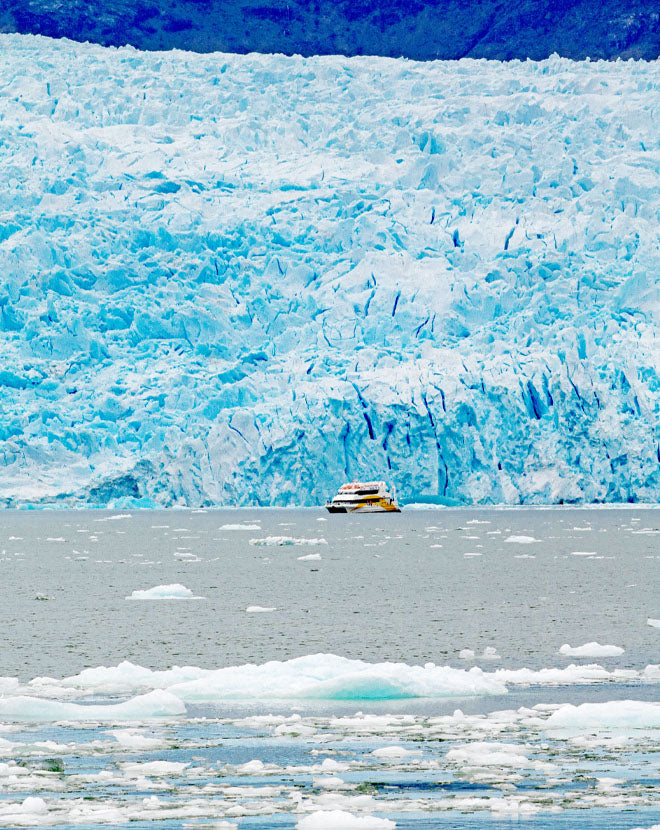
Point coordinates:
pixel 419 29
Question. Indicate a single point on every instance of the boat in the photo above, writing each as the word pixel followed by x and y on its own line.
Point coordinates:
pixel 364 497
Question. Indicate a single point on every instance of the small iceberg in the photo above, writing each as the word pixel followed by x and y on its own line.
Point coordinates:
pixel 591 650
pixel 258 609
pixel 175 591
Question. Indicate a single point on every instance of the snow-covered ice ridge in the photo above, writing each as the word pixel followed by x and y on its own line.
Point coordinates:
pixel 245 279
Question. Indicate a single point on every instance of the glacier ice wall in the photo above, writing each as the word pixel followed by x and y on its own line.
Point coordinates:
pixel 244 279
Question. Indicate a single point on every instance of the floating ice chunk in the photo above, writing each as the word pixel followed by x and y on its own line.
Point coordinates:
pixel 8 685
pixel 134 740
pixel 341 820
pixel 583 553
pixel 466 654
pixel 239 527
pixel 652 622
pixel 591 650
pixel 490 653
pixel 174 591
pixel 485 754
pixel 253 767
pixel 310 557
pixel 521 540
pixel 156 769
pixel 33 805
pixel 393 752
pixel 259 609
pixel 329 677
pixel 272 541
pixel 155 704
pixel 615 714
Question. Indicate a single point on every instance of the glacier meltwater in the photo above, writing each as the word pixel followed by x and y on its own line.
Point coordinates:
pixel 244 279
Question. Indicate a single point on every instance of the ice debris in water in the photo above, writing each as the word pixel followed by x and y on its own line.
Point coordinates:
pixel 591 650
pixel 652 622
pixel 240 527
pixel 155 704
pixel 310 557
pixel 341 820
pixel 174 591
pixel 462 292
pixel 490 653
pixel 521 540
pixel 259 609
pixel 622 714
pixel 280 541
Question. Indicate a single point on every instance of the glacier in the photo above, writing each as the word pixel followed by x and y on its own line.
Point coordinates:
pixel 245 279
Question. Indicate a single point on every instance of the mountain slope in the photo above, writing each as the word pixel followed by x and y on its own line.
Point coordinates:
pixel 447 29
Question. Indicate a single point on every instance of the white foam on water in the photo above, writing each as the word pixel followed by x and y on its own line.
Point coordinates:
pixel 591 650
pixel 174 591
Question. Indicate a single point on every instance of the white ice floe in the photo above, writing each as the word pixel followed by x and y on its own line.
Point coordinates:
pixel 486 754
pixel 341 820
pixel 135 741
pixel 521 540
pixel 584 553
pixel 310 557
pixel 174 591
pixel 280 541
pixel 393 752
pixel 155 704
pixel 653 623
pixel 240 527
pixel 259 609
pixel 615 714
pixel 327 676
pixel 490 653
pixel 321 676
pixel 591 650
pixel 466 654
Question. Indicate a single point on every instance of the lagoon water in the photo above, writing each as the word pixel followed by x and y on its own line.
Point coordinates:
pixel 425 586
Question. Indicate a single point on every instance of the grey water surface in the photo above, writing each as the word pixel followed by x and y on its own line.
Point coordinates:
pixel 414 587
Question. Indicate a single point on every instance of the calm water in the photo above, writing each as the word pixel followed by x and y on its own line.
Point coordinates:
pixel 405 587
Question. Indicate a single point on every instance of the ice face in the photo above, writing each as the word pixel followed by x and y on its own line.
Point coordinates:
pixel 246 279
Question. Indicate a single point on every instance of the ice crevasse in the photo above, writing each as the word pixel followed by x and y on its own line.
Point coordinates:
pixel 243 279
